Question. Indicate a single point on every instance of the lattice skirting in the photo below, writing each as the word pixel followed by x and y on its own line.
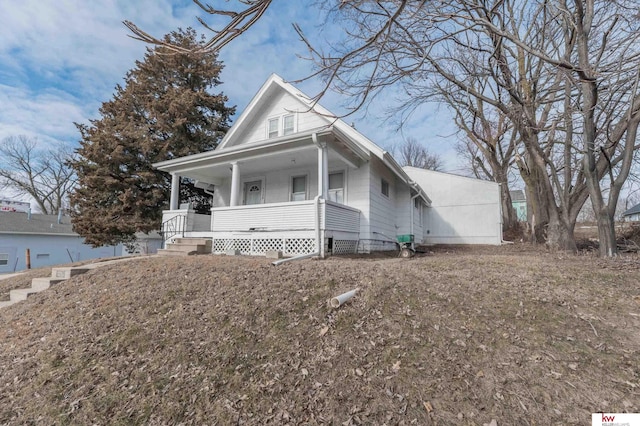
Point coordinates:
pixel 344 246
pixel 258 246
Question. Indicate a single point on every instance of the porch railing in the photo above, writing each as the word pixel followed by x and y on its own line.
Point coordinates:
pixel 175 226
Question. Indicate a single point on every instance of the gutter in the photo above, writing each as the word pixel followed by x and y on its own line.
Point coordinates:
pixel 411 208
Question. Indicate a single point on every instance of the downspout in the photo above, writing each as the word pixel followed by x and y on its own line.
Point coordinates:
pixel 316 205
pixel 411 201
pixel 321 191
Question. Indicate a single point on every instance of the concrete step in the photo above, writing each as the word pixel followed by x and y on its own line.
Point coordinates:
pixel 6 303
pixel 170 252
pixel 44 283
pixel 188 247
pixel 67 272
pixel 22 294
pixel 203 241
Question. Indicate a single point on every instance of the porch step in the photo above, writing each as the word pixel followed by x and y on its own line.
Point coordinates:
pixel 187 246
pixel 171 252
pixel 200 241
pixel 6 303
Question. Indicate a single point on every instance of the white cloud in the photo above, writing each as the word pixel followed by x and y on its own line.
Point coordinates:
pixel 60 60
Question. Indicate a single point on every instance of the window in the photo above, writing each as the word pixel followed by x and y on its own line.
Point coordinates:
pixel 42 256
pixel 273 127
pixel 298 188
pixel 281 126
pixel 4 259
pixel 336 187
pixel 416 202
pixel 384 187
pixel 287 124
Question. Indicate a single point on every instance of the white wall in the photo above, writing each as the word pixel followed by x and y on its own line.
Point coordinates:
pixel 279 104
pixel 48 250
pixel 463 210
pixel 382 216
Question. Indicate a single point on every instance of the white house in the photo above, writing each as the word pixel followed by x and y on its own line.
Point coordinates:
pixel 289 176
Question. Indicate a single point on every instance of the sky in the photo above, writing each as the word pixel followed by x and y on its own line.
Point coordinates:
pixel 60 59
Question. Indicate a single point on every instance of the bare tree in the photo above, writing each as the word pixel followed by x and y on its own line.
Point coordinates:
pixel 239 22
pixel 564 72
pixel 412 153
pixel 42 174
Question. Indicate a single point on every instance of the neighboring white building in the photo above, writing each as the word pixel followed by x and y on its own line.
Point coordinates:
pixel 463 210
pixel 49 238
pixel 290 176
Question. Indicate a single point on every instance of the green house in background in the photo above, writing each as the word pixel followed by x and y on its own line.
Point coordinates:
pixel 519 204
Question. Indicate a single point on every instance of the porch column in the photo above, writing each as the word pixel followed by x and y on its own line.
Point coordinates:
pixel 323 167
pixel 235 184
pixel 175 192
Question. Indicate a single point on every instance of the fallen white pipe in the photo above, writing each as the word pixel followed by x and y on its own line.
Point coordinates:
pixel 338 301
pixel 300 257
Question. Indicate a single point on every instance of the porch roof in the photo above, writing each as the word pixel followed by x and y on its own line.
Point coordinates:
pixel 269 154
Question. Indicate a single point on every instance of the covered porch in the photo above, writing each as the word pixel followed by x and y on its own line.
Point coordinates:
pixel 287 194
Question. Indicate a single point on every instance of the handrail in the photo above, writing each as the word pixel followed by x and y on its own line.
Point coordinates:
pixel 174 226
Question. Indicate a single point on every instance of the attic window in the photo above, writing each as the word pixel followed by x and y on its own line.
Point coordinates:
pixel 287 124
pixel 273 127
pixel 384 187
pixel 4 259
pixel 281 126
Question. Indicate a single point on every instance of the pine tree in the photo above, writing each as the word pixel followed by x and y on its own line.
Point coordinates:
pixel 165 110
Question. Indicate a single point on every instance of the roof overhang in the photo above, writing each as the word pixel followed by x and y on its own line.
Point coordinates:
pixel 212 166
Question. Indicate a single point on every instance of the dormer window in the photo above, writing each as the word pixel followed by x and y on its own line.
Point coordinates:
pixel 281 126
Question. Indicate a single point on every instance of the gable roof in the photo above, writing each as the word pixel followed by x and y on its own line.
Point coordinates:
pixel 334 125
pixel 274 83
pixel 39 224
pixel 633 210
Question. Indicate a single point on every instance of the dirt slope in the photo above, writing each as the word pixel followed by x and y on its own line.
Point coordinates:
pixel 455 337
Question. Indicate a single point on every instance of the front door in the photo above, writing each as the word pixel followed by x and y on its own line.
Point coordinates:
pixel 253 192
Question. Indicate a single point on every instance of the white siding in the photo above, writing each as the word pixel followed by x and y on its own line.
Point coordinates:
pixel 463 210
pixel 276 217
pixel 280 104
pixel 383 220
pixel 341 218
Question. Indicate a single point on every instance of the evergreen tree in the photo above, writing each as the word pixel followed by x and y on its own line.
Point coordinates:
pixel 165 110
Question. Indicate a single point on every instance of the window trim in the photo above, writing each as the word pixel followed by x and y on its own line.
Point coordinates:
pixel 344 183
pixel 277 131
pixel 305 175
pixel 293 124
pixel 383 183
pixel 4 257
pixel 279 119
